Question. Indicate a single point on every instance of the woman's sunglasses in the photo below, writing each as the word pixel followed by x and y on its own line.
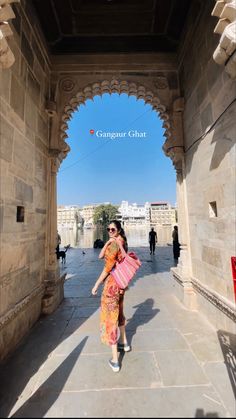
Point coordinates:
pixel 111 229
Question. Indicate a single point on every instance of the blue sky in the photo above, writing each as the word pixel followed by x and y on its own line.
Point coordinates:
pixel 101 169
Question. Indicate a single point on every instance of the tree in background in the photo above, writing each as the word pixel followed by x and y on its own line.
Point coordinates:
pixel 103 214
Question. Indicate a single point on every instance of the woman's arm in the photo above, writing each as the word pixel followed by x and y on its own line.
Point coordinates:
pixel 101 278
pixel 102 253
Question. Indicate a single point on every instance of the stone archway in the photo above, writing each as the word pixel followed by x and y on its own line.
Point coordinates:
pixel 112 86
pixel 69 93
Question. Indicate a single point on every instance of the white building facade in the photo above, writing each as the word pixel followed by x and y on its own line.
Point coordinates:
pixel 162 213
pixel 68 216
pixel 134 214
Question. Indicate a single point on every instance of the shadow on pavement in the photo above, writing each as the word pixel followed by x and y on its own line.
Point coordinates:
pixel 200 414
pixel 46 395
pixel 21 367
pixel 228 346
pixel 143 314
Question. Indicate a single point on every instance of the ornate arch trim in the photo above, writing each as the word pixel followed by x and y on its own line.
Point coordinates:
pixel 112 86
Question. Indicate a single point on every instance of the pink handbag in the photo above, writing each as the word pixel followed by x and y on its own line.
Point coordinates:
pixel 125 270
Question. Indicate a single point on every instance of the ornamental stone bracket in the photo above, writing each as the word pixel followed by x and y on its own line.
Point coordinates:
pixel 225 53
pixel 174 144
pixel 7 58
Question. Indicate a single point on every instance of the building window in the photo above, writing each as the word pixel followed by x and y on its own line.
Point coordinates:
pixel 20 214
pixel 212 209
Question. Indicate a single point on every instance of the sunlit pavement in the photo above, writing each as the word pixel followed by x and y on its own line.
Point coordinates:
pixel 176 367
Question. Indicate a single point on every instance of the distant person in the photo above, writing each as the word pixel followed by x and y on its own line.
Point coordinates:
pixel 112 319
pixel 58 244
pixel 176 245
pixel 152 240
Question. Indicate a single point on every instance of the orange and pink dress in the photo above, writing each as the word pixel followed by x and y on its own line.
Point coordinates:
pixel 112 315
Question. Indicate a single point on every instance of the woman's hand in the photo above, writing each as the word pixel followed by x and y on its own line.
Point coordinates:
pixel 94 290
pixel 112 239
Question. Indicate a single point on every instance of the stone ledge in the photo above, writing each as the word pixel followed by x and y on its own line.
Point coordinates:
pixel 224 305
pixel 221 303
pixel 54 294
pixel 12 313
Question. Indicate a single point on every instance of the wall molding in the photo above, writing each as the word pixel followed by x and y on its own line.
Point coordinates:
pixel 216 299
pixel 12 313
pixel 221 303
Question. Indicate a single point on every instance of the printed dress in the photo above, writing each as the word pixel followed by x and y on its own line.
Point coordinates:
pixel 112 299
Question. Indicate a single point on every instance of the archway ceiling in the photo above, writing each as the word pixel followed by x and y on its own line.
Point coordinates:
pixel 118 26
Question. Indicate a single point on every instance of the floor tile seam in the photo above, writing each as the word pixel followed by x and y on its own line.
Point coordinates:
pixel 125 388
pixel 160 329
pixel 221 402
pixel 201 365
pixel 150 329
pixel 67 323
pixel 157 367
pixel 220 397
pixel 134 351
pixel 213 362
pixel 193 344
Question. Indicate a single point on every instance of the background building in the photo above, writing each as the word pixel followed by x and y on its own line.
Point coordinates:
pixel 87 212
pixel 162 213
pixel 69 216
pixel 134 214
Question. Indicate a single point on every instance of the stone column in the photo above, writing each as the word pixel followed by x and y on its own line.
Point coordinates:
pixel 174 148
pixel 54 283
pixel 183 271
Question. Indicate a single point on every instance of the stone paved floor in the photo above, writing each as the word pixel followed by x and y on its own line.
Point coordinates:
pixel 176 367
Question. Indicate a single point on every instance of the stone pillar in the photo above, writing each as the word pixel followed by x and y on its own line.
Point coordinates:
pixel 174 148
pixel 54 283
pixel 183 271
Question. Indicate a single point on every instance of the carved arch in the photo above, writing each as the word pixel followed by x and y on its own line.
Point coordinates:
pixel 131 89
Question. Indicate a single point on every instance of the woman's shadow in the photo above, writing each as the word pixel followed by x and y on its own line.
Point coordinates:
pixel 143 314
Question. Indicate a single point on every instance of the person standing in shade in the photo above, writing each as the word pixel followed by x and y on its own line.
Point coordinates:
pixel 58 244
pixel 176 245
pixel 152 240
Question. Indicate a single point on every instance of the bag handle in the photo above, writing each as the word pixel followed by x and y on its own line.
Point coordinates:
pixel 123 252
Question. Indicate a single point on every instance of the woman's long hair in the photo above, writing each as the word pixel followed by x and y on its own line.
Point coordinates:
pixel 121 232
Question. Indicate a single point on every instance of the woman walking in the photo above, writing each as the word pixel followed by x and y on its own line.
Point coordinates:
pixel 112 320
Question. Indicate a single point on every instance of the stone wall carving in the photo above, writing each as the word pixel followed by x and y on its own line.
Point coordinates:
pixel 11 314
pixel 174 144
pixel 225 53
pixel 216 299
pixel 6 13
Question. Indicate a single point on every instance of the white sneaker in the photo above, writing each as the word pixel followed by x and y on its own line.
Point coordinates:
pixel 123 347
pixel 114 365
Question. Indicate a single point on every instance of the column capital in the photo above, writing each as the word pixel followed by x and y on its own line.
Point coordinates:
pixel 54 156
pixel 174 144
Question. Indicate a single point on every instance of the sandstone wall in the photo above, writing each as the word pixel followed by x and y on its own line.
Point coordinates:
pixel 24 127
pixel 210 161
